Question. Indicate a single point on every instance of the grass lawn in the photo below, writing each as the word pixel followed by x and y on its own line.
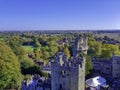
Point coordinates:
pixel 28 48
pixel 1 39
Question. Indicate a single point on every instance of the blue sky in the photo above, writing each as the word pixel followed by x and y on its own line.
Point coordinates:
pixel 59 14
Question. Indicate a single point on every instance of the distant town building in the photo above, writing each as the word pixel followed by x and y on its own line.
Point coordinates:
pixel 69 74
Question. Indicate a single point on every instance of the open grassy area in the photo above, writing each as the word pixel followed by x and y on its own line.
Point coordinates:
pixel 1 39
pixel 28 48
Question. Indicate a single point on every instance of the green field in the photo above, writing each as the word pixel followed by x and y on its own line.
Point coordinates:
pixel 1 39
pixel 28 48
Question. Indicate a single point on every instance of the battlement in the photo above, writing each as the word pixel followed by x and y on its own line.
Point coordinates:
pixel 61 60
pixel 69 74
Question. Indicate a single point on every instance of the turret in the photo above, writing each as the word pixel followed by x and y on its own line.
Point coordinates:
pixel 80 46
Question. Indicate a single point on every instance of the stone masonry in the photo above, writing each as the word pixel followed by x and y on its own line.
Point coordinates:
pixel 69 74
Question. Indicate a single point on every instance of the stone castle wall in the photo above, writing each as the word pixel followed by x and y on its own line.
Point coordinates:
pixel 69 74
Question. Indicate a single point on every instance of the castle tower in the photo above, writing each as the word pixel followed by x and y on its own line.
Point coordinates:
pixel 78 74
pixel 69 74
pixel 55 66
pixel 116 66
pixel 80 45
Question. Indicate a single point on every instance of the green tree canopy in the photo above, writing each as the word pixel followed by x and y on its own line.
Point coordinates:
pixel 88 65
pixel 108 49
pixel 94 48
pixel 10 72
pixel 67 52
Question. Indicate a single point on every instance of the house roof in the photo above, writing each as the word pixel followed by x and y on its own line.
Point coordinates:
pixel 96 81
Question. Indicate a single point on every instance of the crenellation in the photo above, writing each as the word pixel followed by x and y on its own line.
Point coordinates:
pixel 69 74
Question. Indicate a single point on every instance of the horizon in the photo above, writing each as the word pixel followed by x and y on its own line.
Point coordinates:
pixel 59 15
pixel 61 30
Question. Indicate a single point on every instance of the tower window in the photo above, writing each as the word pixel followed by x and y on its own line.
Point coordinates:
pixel 60 86
pixel 118 61
pixel 63 72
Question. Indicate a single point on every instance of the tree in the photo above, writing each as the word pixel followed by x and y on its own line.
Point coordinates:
pixel 23 59
pixel 32 70
pixel 37 53
pixel 108 49
pixel 46 55
pixel 67 52
pixel 53 50
pixel 15 44
pixel 10 72
pixel 94 48
pixel 88 65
